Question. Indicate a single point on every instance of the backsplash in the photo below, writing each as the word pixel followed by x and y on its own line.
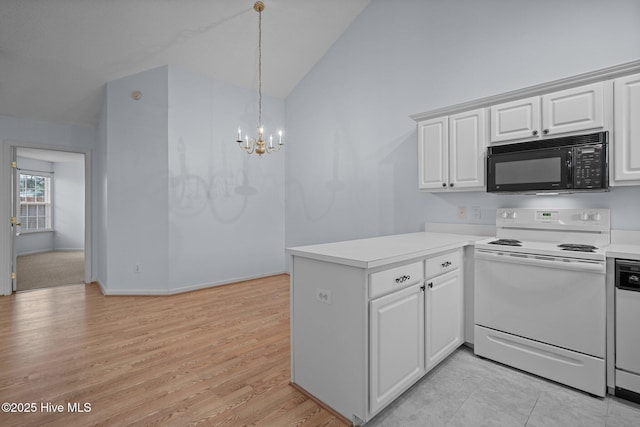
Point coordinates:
pixel 624 203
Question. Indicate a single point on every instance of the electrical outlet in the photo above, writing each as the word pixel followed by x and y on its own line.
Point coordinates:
pixel 462 212
pixel 137 268
pixel 476 212
pixel 323 295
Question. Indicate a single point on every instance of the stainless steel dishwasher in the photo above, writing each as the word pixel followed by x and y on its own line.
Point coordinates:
pixel 628 329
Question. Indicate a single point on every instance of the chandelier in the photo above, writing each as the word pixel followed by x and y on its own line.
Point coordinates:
pixel 258 144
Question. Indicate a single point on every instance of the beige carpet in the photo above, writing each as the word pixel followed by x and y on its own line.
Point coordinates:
pixel 48 269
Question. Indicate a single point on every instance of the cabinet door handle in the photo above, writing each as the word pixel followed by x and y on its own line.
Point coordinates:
pixel 403 279
pixel 422 288
pixel 430 284
pixel 546 131
pixel 535 133
pixel 451 185
pixel 444 184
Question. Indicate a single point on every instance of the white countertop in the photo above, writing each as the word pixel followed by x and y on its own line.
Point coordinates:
pixel 626 251
pixel 379 251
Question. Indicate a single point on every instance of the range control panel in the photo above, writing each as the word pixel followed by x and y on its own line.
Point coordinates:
pixel 548 216
pixel 578 219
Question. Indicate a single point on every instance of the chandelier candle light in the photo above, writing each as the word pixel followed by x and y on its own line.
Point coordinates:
pixel 259 145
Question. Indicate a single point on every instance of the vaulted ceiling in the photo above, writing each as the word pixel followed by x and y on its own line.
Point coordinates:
pixel 56 55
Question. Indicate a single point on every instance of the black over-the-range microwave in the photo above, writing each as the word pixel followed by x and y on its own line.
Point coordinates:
pixel 563 164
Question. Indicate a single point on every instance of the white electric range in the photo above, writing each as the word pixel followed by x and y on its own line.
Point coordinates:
pixel 540 294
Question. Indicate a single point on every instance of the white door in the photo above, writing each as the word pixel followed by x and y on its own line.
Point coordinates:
pixel 575 109
pixel 444 317
pixel 15 217
pixel 626 141
pixel 433 153
pixel 467 142
pixel 397 344
pixel 515 120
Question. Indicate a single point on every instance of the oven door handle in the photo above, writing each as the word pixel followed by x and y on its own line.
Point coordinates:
pixel 542 261
pixel 570 168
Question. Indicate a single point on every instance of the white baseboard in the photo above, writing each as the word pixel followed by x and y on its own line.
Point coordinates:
pixel 182 289
pixel 102 288
pixel 41 251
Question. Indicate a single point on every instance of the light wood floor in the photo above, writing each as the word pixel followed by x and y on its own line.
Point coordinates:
pixel 218 356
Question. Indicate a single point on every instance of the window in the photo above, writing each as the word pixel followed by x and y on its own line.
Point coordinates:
pixel 35 202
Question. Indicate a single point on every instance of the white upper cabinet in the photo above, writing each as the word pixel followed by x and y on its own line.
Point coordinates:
pixel 467 148
pixel 625 148
pixel 571 110
pixel 433 153
pixel 451 152
pixel 515 120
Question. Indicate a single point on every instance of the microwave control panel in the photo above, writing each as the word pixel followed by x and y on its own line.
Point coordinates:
pixel 588 161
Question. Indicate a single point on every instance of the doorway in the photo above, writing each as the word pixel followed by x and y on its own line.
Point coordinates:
pixel 48 201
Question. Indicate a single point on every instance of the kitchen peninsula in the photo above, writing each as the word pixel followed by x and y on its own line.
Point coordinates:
pixel 370 317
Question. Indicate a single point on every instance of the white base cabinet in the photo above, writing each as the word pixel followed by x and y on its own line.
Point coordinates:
pixel 361 337
pixel 397 344
pixel 444 320
pixel 444 306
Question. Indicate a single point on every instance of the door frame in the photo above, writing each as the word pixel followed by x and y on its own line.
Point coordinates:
pixel 6 249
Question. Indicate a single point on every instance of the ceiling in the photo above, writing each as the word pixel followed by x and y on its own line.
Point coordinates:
pixel 56 55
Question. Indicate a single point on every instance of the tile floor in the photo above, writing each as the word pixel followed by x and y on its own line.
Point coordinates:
pixel 466 390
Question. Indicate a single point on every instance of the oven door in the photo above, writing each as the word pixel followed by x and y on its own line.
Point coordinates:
pixel 530 171
pixel 554 300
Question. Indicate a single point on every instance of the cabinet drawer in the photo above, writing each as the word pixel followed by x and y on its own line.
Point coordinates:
pixel 443 263
pixel 386 281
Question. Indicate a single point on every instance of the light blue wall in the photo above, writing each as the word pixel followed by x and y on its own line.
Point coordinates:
pixel 226 208
pixel 136 184
pixel 181 200
pixel 68 205
pixel 30 133
pixel 352 165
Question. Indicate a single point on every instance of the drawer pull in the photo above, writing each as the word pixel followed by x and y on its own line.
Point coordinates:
pixel 402 279
pixel 446 264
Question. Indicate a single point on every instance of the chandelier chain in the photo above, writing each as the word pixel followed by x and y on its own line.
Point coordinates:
pixel 260 68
